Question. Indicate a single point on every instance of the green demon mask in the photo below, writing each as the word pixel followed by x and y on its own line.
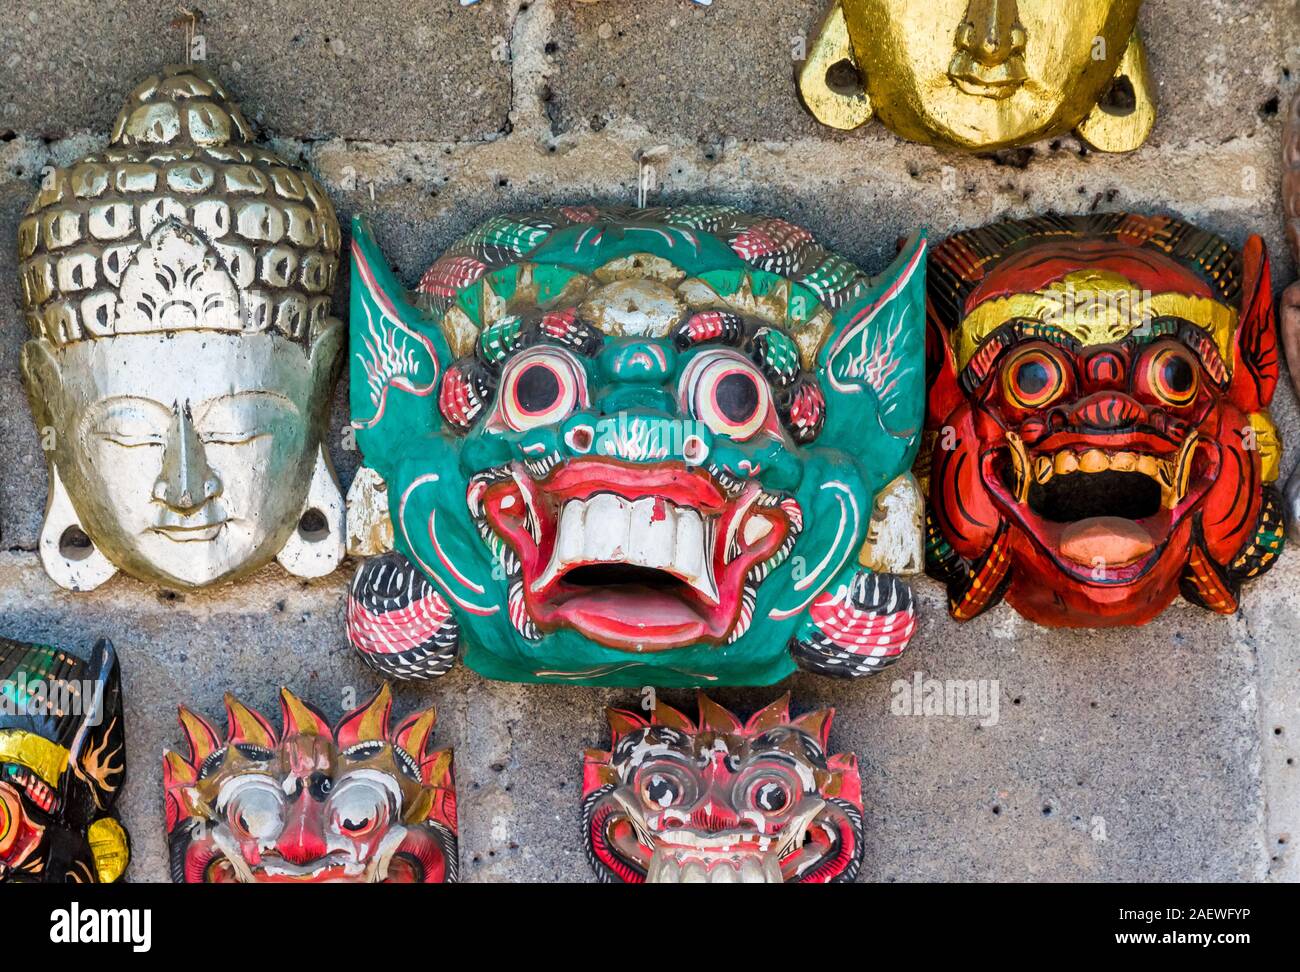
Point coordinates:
pixel 622 447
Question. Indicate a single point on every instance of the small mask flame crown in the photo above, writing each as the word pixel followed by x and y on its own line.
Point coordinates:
pixel 180 224
pixel 362 738
pixel 839 778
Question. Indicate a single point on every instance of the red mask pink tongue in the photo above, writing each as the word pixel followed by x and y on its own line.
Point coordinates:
pixel 1110 540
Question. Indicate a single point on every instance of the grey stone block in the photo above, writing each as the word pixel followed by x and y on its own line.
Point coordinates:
pixel 379 69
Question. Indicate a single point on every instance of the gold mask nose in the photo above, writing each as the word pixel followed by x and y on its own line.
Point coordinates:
pixel 991 32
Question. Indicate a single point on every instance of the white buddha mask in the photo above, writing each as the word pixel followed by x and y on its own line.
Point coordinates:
pixel 177 287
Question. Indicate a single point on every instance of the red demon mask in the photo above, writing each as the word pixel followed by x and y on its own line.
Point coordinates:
pixel 1098 418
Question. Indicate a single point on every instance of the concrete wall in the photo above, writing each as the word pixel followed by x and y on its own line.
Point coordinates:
pixel 1160 753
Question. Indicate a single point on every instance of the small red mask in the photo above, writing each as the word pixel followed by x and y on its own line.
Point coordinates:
pixel 357 802
pixel 721 801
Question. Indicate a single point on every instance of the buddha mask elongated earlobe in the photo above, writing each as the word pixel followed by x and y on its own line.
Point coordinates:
pixel 316 545
pixel 69 557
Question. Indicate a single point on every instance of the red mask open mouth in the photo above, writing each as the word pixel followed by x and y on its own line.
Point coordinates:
pixel 1102 506
pixel 635 557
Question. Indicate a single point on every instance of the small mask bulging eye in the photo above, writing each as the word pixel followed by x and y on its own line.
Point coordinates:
pixel 1172 375
pixel 255 810
pixel 770 795
pixel 728 394
pixel 661 786
pixel 1033 378
pixel 358 809
pixel 541 387
pixel 661 791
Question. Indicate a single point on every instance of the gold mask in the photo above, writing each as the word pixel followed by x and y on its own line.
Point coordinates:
pixel 979 75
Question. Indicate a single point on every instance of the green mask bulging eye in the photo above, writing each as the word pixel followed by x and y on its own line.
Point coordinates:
pixel 659 452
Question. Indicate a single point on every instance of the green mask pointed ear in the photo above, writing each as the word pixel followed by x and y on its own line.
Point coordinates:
pixel 397 354
pixel 872 368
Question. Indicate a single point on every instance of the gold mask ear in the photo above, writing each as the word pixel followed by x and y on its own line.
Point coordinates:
pixel 1124 124
pixel 825 84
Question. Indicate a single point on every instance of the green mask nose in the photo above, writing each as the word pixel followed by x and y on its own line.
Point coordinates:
pixel 638 362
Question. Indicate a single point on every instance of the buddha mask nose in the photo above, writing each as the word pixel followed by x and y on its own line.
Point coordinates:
pixel 185 482
pixel 991 32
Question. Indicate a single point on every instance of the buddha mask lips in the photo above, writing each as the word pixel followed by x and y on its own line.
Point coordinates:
pixel 1103 507
pixel 642 558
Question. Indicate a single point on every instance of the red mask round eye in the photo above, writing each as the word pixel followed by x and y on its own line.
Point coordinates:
pixel 1033 378
pixel 541 387
pixel 727 393
pixel 254 808
pixel 1172 374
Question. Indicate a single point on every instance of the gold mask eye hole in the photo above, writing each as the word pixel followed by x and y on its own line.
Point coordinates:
pixel 1033 378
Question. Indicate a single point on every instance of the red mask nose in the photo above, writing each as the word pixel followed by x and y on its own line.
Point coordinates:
pixel 1104 368
pixel 1107 410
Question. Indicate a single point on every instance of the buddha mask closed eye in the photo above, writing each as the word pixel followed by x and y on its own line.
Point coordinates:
pixel 636 446
pixel 979 75
pixel 721 801
pixel 358 802
pixel 1099 418
pixel 177 289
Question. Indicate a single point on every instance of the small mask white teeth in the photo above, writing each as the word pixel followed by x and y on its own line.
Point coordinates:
pixel 667 868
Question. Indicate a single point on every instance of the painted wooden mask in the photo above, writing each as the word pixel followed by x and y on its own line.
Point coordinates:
pixel 62 765
pixel 177 289
pixel 628 447
pixel 1098 418
pixel 357 802
pixel 721 801
pixel 979 75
